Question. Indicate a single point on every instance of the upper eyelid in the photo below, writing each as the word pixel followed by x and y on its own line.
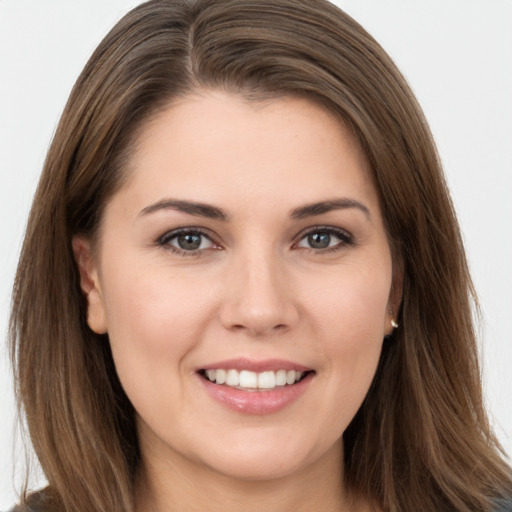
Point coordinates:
pixel 165 241
pixel 192 229
pixel 345 239
pixel 330 229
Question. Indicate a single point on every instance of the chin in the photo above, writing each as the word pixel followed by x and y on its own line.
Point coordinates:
pixel 253 469
pixel 273 460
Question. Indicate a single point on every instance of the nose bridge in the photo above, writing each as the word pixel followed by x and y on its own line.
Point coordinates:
pixel 258 298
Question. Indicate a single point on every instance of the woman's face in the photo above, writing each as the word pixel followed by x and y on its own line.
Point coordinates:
pixel 244 277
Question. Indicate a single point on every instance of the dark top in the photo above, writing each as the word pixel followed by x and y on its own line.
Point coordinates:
pixel 504 506
pixel 501 506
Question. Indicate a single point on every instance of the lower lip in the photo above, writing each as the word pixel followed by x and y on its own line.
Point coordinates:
pixel 257 402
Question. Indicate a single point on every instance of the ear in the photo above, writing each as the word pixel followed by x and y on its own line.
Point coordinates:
pixel 395 298
pixel 90 284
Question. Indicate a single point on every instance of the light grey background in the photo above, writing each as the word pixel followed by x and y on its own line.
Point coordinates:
pixel 456 54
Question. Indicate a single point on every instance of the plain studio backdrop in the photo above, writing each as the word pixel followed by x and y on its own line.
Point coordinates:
pixel 457 56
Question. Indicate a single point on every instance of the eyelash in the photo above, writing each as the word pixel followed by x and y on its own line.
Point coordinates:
pixel 346 239
pixel 164 241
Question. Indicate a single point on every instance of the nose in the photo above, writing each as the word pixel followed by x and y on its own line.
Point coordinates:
pixel 258 298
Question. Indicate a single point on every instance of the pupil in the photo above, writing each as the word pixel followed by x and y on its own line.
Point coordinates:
pixel 319 240
pixel 189 241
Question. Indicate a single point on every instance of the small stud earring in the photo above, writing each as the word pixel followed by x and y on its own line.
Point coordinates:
pixel 393 323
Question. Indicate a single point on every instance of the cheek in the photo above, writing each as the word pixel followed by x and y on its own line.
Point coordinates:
pixel 353 302
pixel 155 321
pixel 154 316
pixel 349 319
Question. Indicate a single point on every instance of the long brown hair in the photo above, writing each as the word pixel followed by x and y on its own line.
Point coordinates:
pixel 421 440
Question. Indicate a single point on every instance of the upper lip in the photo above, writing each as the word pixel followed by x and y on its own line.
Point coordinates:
pixel 264 365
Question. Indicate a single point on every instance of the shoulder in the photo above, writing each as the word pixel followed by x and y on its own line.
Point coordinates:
pixel 31 508
pixel 504 505
pixel 38 501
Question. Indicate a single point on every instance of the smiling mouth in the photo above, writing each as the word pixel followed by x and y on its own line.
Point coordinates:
pixel 254 381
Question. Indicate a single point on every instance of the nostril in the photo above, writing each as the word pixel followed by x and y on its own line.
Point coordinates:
pixel 258 330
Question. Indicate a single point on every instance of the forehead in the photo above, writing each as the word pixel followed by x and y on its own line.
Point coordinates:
pixel 218 146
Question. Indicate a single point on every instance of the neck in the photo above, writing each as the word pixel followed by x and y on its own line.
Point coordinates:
pixel 165 485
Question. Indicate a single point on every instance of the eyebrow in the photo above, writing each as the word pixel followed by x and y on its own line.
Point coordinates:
pixel 213 212
pixel 313 209
pixel 190 207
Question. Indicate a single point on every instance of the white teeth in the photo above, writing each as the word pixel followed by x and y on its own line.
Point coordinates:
pixel 281 378
pixel 233 378
pixel 248 379
pixel 252 380
pixel 266 380
pixel 219 376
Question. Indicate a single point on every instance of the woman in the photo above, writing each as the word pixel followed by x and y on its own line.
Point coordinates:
pixel 243 283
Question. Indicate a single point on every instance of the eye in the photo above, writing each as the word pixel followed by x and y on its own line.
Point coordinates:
pixel 186 241
pixel 325 238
